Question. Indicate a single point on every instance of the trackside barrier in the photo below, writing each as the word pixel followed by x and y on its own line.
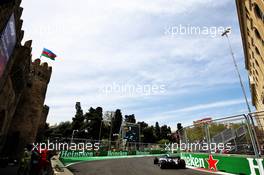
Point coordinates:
pixel 70 153
pixel 235 164
pixel 69 157
pixel 243 135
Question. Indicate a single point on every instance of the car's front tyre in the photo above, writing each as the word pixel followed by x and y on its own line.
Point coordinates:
pixel 162 165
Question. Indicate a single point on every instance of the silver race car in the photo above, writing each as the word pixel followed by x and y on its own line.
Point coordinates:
pixel 170 162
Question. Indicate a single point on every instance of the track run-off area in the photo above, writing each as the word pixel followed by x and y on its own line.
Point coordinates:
pixel 128 166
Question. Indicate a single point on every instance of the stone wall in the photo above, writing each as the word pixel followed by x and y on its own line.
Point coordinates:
pixel 14 77
pixel 42 124
pixel 43 118
pixel 23 88
pixel 29 112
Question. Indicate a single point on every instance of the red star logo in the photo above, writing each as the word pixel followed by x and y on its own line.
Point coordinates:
pixel 212 163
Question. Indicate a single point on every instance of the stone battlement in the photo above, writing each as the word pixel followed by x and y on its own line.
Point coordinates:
pixel 41 70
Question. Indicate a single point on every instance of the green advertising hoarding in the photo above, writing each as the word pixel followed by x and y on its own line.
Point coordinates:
pixel 235 164
pixel 70 153
pixel 69 156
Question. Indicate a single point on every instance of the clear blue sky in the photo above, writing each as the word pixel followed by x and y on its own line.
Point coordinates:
pixel 104 42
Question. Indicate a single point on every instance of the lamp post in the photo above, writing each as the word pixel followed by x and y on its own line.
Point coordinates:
pixel 73 134
pixel 110 134
pixel 225 33
pixel 100 131
pixel 86 131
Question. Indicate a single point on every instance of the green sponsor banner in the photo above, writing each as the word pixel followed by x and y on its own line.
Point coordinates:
pixel 118 153
pixel 77 153
pixel 235 164
pixel 142 153
pixel 70 153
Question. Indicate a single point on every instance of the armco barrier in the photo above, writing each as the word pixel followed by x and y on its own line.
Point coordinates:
pixel 235 164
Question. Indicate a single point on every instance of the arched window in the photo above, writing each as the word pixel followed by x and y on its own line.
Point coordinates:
pixel 257 51
pixel 258 11
pixel 257 63
pixel 257 34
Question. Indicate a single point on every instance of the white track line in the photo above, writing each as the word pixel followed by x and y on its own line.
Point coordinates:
pixel 207 171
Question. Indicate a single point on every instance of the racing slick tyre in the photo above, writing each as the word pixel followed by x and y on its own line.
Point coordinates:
pixel 182 164
pixel 162 165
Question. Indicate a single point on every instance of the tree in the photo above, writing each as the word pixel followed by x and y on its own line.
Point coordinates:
pixel 157 131
pixel 217 128
pixel 165 132
pixel 130 118
pixel 43 133
pixel 93 120
pixel 179 133
pixel 117 121
pixel 197 133
pixel 142 125
pixel 179 126
pixel 63 129
pixel 164 141
pixel 149 136
pixel 78 120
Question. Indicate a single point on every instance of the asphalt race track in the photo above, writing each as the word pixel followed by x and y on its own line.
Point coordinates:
pixel 127 166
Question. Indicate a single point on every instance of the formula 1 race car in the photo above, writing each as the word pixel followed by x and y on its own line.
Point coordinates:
pixel 171 162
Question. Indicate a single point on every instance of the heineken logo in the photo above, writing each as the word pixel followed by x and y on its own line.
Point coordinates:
pixel 251 165
pixel 212 163
pixel 199 162
pixel 119 153
pixel 193 161
pixel 256 165
pixel 142 153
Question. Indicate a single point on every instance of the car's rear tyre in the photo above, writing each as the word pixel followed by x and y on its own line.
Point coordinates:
pixel 182 164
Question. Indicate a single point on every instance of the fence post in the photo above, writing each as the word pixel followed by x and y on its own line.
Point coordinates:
pixel 252 136
pixel 207 135
pixel 186 138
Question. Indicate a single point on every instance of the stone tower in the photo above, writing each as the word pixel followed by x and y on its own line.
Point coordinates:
pixel 42 124
pixel 30 113
pixel 44 115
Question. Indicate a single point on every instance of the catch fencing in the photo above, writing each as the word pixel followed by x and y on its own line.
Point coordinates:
pixel 240 134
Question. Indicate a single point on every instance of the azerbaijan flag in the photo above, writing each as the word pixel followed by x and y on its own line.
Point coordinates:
pixel 49 54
